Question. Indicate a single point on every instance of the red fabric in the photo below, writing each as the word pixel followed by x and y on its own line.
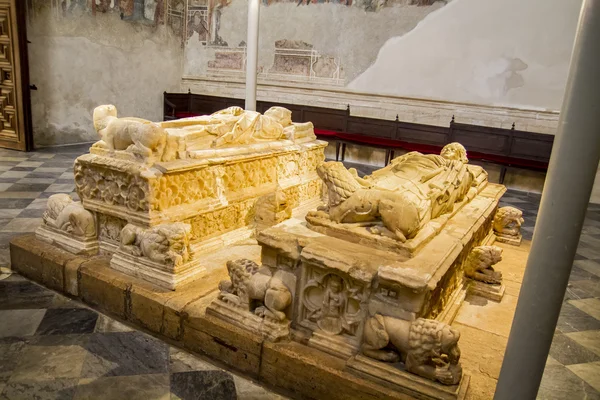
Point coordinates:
pixel 185 115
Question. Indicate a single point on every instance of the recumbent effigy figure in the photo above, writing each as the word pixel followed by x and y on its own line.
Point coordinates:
pixel 412 190
pixel 169 140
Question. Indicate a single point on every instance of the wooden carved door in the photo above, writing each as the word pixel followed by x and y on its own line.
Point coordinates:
pixel 15 117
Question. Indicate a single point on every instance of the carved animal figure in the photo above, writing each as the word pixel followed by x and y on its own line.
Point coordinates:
pixel 139 136
pixel 165 243
pixel 272 209
pixel 67 215
pixel 428 348
pixel 508 221
pixel 479 264
pixel 256 291
pixel 351 199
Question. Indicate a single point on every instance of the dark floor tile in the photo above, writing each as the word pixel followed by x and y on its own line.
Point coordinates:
pixel 6 237
pixel 32 213
pixel 23 295
pixel 14 203
pixel 65 321
pixel 567 351
pixel 22 168
pixel 558 383
pixel 55 389
pixel 124 353
pixel 9 180
pixel 10 353
pixel 28 187
pixel 583 289
pixel 215 385
pixel 578 274
pixel 44 175
pixel 572 319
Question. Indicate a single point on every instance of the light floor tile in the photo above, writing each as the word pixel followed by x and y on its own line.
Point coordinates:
pixel 38 204
pixel 61 187
pixel 4 186
pixel 30 164
pixel 20 322
pixel 36 180
pixel 9 213
pixel 67 175
pixel 589 306
pixel 14 174
pixel 19 195
pixel 49 169
pixel 22 225
pixel 588 339
pixel 589 372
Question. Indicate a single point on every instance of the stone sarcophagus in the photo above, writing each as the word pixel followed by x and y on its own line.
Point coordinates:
pixel 375 275
pixel 163 194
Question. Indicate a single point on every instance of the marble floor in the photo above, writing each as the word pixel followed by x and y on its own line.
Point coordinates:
pixel 52 347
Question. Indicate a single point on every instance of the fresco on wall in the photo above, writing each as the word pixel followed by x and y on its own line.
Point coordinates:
pixel 144 11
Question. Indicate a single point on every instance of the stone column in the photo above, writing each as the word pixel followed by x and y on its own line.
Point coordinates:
pixel 563 207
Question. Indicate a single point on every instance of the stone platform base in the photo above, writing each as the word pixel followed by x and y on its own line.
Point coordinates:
pixel 270 330
pixel 83 246
pixel 407 383
pixel 182 316
pixel 513 240
pixel 487 291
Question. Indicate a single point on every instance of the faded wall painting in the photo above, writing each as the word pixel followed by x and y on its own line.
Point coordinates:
pixel 321 42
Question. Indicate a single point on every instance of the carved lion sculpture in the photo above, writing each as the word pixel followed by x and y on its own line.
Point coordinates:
pixel 351 199
pixel 508 221
pixel 272 209
pixel 165 243
pixel 67 215
pixel 479 264
pixel 428 348
pixel 136 135
pixel 255 291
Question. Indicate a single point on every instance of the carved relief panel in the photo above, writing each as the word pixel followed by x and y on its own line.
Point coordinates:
pixel 331 302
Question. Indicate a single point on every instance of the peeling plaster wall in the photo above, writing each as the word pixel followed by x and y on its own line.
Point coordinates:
pixel 80 62
pixel 496 52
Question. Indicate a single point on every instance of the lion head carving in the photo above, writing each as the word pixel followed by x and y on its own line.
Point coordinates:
pixel 508 221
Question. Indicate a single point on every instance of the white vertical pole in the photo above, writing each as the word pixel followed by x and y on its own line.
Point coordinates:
pixel 252 53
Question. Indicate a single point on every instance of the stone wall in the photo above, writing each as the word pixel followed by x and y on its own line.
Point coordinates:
pixel 79 60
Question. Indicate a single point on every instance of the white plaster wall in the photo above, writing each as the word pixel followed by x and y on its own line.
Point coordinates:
pixel 497 52
pixel 78 63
